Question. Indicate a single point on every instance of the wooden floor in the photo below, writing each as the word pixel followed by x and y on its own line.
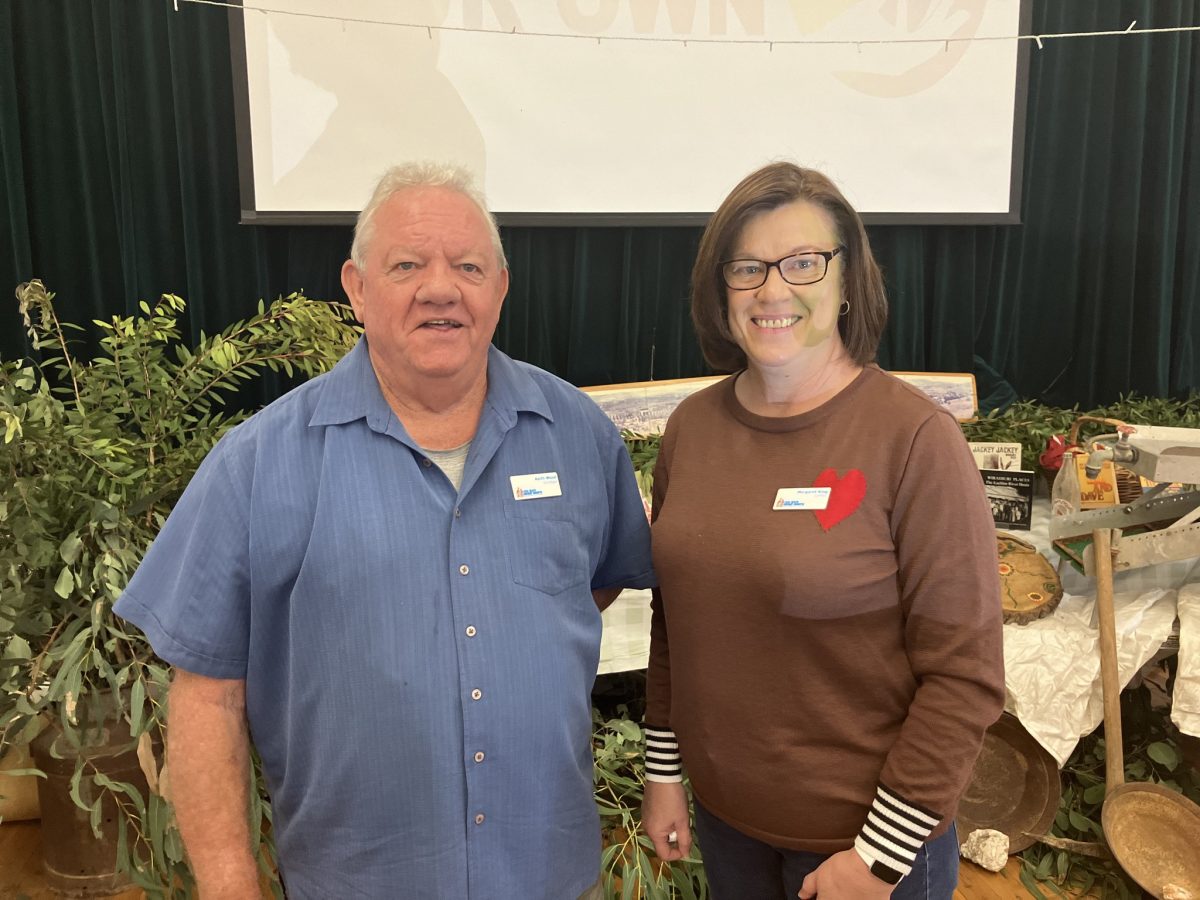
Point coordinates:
pixel 21 872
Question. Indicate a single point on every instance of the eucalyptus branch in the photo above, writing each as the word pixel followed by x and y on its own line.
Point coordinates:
pixel 36 670
pixel 120 376
pixel 271 316
pixel 4 735
pixel 251 363
pixel 111 474
pixel 48 308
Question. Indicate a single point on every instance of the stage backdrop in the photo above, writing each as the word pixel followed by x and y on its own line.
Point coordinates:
pixel 585 111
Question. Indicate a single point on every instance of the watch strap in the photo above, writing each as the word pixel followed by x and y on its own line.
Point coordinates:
pixel 886 873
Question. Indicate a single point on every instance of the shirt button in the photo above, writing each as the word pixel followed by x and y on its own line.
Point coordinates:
pixel 476 694
pixel 427 463
pixel 457 513
pixel 470 631
pixel 464 569
pixel 478 818
pixel 479 756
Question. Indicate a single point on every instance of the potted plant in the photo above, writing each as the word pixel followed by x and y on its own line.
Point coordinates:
pixel 93 453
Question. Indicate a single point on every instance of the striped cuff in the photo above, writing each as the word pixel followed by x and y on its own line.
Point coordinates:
pixel 662 755
pixel 894 832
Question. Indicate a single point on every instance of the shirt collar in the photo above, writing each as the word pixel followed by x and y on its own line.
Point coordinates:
pixel 351 391
pixel 512 389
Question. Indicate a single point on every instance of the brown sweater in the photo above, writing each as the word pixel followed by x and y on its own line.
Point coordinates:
pixel 805 659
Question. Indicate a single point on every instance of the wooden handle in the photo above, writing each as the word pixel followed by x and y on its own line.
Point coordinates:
pixel 1114 749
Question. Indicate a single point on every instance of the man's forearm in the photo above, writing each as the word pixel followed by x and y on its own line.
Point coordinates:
pixel 209 759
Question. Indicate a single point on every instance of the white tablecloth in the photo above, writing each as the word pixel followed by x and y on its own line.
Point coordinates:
pixel 625 642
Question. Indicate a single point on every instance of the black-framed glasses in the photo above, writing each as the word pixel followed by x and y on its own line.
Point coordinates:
pixel 799 268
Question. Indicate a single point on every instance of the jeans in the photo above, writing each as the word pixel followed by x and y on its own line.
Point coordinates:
pixel 740 867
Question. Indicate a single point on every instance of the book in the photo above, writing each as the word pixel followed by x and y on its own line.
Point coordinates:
pixel 995 456
pixel 1010 493
pixel 1098 492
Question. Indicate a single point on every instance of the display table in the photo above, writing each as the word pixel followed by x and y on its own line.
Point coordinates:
pixel 1052 665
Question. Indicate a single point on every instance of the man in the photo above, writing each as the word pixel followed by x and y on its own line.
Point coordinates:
pixel 384 579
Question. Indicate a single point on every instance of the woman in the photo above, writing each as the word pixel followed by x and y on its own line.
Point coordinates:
pixel 826 641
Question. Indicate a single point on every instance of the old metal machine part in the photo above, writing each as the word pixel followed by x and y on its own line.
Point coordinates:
pixel 1164 455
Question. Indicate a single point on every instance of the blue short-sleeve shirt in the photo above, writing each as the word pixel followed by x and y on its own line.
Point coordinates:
pixel 418 660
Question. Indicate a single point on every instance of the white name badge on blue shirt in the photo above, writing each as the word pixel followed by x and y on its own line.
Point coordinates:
pixel 534 487
pixel 801 498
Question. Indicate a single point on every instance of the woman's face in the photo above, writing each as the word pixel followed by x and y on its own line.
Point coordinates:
pixel 781 325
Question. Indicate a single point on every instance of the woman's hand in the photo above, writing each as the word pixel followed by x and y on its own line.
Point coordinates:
pixel 844 876
pixel 665 810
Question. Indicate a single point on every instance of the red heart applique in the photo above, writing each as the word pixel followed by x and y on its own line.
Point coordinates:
pixel 845 494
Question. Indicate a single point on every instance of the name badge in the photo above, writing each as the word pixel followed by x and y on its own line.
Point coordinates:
pixel 801 498
pixel 534 487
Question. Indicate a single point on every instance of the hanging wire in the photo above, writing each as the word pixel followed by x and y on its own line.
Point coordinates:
pixel 769 43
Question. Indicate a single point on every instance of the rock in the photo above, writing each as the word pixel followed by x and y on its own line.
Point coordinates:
pixel 986 847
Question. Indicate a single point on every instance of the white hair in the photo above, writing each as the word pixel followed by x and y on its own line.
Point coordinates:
pixel 418 175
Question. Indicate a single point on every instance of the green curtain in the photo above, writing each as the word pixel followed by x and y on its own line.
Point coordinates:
pixel 119 183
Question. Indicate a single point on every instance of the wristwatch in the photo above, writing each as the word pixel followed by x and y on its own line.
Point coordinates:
pixel 885 873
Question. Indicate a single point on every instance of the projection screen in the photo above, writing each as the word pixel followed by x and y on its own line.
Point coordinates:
pixel 632 111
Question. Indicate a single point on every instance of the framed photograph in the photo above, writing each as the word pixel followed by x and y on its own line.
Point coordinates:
pixel 953 390
pixel 643 407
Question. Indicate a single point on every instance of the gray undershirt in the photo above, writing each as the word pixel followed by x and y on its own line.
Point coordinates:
pixel 451 462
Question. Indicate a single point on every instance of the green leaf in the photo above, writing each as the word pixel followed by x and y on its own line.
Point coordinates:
pixel 1081 822
pixel 1094 795
pixel 94 819
pixel 68 550
pixel 1042 872
pixel 628 729
pixel 76 785
pixel 122 787
pixel 1028 880
pixel 65 583
pixel 1164 754
pixel 12 426
pixel 17 648
pixel 629 881
pixel 137 697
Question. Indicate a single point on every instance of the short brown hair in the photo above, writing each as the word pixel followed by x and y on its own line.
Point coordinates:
pixel 770 187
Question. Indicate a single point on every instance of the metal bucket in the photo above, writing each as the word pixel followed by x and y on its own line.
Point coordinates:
pixel 77 864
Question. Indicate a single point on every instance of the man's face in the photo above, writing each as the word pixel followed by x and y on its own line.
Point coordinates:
pixel 431 288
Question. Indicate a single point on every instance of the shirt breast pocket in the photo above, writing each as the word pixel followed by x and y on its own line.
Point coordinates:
pixel 546 546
